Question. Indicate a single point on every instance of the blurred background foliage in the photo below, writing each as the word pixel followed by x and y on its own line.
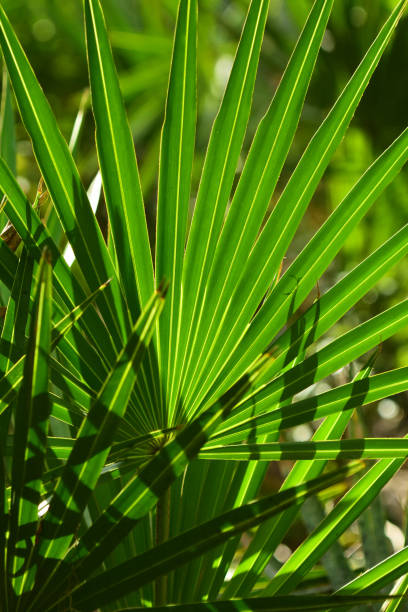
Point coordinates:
pixel 141 35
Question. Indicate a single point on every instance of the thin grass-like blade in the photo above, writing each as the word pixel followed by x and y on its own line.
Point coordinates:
pixel 79 123
pixel 17 314
pixel 8 265
pixel 7 132
pixel 220 164
pixel 4 506
pixel 7 126
pixel 357 448
pixel 62 180
pixel 399 593
pixel 379 576
pixel 263 261
pixel 118 165
pixel 176 158
pixel 256 186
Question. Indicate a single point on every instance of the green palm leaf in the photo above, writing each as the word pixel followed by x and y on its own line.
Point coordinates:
pixel 117 158
pixel 32 413
pixel 176 158
pixel 263 262
pixel 95 437
pixel 130 575
pixel 61 177
pixel 282 603
pixel 366 448
pixel 302 275
pixel 350 506
pixel 351 395
pixel 258 180
pixel 142 457
pixel 223 150
pixel 380 575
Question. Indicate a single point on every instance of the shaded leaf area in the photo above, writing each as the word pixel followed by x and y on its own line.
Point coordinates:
pixel 137 498
pixel 281 604
pixel 135 572
pixel 376 448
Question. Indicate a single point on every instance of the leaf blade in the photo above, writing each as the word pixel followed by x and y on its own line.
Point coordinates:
pixel 95 438
pixel 188 545
pixel 263 262
pixel 351 448
pixel 118 163
pixel 257 183
pixel 33 409
pixel 220 163
pixel 61 176
pixel 175 167
pixel 300 278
